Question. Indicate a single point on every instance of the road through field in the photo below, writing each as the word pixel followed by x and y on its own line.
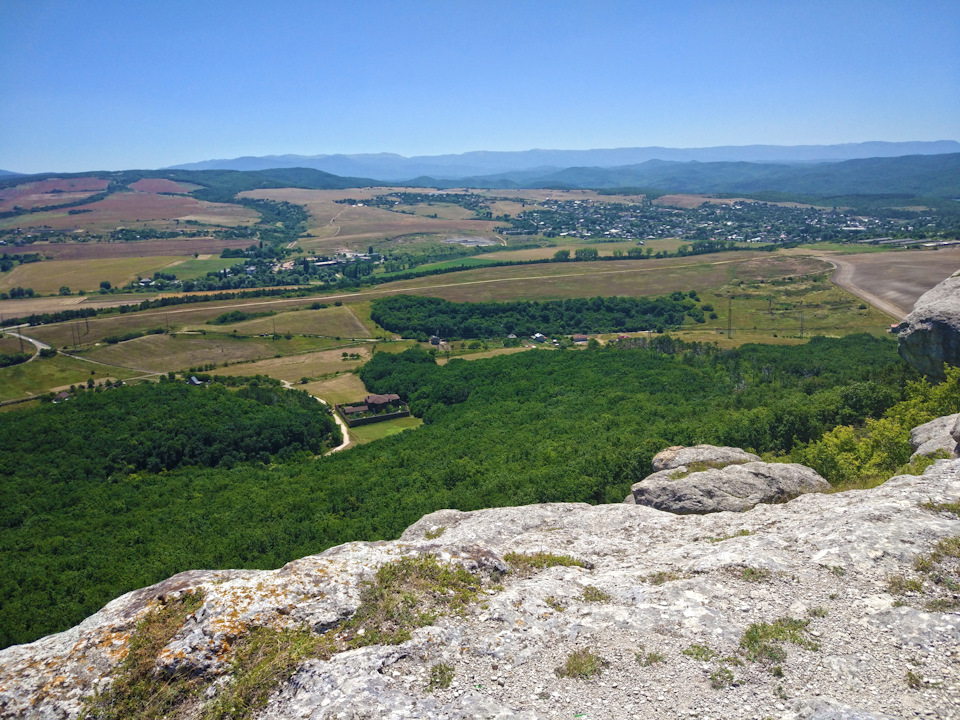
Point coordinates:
pixel 893 280
pixel 843 277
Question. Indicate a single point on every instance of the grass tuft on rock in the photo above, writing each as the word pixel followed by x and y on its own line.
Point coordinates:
pixel 441 675
pixel 408 594
pixel 139 690
pixel 762 641
pixel 528 562
pixel 581 664
pixel 262 660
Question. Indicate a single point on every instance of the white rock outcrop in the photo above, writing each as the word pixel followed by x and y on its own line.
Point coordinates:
pixel 733 488
pixel 930 334
pixel 935 435
pixel 680 456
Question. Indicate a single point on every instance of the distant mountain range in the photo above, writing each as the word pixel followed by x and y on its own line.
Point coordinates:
pixel 392 167
pixel 933 175
pixel 7 173
pixel 929 176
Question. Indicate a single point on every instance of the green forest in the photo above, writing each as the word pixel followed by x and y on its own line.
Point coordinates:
pixel 413 315
pixel 117 490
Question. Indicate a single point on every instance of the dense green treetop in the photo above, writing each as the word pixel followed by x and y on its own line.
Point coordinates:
pixel 413 315
pixel 537 426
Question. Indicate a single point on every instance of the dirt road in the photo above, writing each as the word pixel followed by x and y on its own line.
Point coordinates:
pixel 843 277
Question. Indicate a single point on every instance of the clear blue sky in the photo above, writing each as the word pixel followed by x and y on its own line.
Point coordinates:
pixel 98 84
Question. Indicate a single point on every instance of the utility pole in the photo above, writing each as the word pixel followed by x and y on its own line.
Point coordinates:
pixel 729 317
pixel 801 326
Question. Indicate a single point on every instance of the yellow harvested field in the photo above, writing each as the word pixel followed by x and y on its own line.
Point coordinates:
pixel 311 365
pixel 343 388
pixel 161 353
pixel 330 322
pixel 48 276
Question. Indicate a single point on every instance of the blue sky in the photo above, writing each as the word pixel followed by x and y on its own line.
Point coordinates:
pixel 96 84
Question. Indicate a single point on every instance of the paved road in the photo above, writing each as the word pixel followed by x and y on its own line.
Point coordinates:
pixel 40 345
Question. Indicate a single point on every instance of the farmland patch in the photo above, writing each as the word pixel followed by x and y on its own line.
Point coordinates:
pixel 313 365
pixel 133 209
pixel 49 276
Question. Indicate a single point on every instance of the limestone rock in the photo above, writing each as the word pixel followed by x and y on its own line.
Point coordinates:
pixel 732 488
pixel 930 335
pixel 652 582
pixel 935 435
pixel 677 456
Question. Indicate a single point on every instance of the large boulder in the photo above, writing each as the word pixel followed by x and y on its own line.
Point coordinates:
pixel 735 488
pixel 712 455
pixel 930 335
pixel 935 435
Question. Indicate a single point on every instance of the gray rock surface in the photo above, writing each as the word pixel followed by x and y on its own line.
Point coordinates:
pixel 733 488
pixel 718 456
pixel 935 435
pixel 670 581
pixel 930 335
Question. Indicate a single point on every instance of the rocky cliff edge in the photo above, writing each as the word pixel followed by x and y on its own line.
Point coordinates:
pixel 836 605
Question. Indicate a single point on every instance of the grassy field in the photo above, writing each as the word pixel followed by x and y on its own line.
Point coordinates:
pixel 331 321
pixel 293 368
pixel 368 433
pixel 768 292
pixel 483 354
pixel 770 312
pixel 42 375
pixel 636 278
pixel 48 276
pixel 192 268
pixel 10 345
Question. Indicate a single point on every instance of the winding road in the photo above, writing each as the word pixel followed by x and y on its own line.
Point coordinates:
pixel 344 430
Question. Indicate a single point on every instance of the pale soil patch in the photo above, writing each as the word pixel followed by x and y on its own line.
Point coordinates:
pixel 690 200
pixel 333 227
pixel 161 185
pixel 185 246
pixel 54 191
pixel 33 200
pixel 537 195
pixel 898 277
pixel 294 367
pixel 133 209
